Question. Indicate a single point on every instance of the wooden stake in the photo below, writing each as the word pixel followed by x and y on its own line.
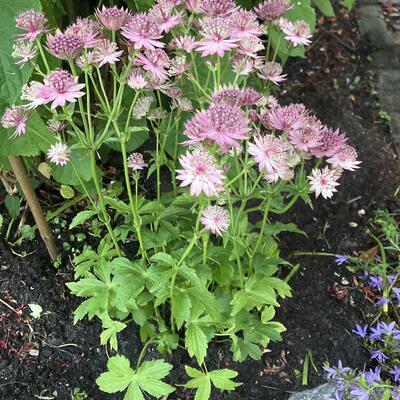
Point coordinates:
pixel 34 205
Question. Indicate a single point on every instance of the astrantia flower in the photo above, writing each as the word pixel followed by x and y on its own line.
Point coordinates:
pixel 87 61
pixel 227 95
pixel 25 51
pixel 242 65
pixel 345 158
pixel 323 182
pixel 162 11
pixel 270 153
pixel 65 46
pixel 221 123
pixel 60 87
pixel 59 153
pixel 272 71
pixel 250 46
pixel 143 31
pixel 33 22
pixel 15 117
pixel 215 219
pixel 273 9
pixel 201 172
pixel 178 66
pixel 184 104
pixel 136 79
pixel 216 33
pixel 308 137
pixel 244 24
pixel 106 52
pixel 89 31
pixel 192 5
pixel 288 118
pixel 31 92
pixel 331 142
pixel 250 96
pixel 136 162
pixel 297 33
pixel 185 42
pixel 113 18
pixel 220 8
pixel 55 125
pixel 142 107
pixel 155 61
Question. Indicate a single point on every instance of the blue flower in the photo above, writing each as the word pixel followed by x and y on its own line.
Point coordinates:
pixel 396 373
pixel 376 281
pixel 362 332
pixel 339 259
pixel 373 375
pixel 379 355
pixel 359 392
pixel 397 294
pixel 382 300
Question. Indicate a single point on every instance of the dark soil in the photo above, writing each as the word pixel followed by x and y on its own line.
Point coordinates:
pixel 334 80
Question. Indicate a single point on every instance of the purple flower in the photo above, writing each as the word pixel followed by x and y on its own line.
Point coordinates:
pixel 376 334
pixel 382 300
pixel 379 355
pixel 397 294
pixel 391 279
pixel 335 372
pixel 396 373
pixel 376 281
pixel 360 331
pixel 388 329
pixel 359 392
pixel 373 375
pixel 339 259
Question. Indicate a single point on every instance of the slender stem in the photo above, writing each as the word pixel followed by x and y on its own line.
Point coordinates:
pixel 82 183
pixel 102 87
pixel 264 221
pixel 104 106
pixel 128 118
pixel 106 217
pixel 43 55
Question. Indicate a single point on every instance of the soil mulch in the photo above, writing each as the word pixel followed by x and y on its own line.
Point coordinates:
pixel 49 357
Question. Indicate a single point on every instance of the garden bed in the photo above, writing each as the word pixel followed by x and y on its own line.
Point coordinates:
pixel 48 357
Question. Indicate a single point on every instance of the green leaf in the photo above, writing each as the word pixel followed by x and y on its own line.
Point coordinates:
pixel 196 342
pixel 206 299
pixel 181 306
pixel 118 376
pixel 146 379
pixel 163 259
pixel 222 379
pixel 67 192
pixel 82 217
pixel 325 7
pixel 13 203
pixel 200 381
pixel 110 332
pixel 36 310
pixel 348 4
pixel 278 227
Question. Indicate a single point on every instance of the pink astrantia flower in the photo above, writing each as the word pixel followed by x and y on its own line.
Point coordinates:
pixel 155 61
pixel 220 8
pixel 270 153
pixel 228 95
pixel 288 118
pixel 106 52
pixel 272 71
pixel 273 9
pixel 60 87
pixel 192 5
pixel 308 137
pixel 201 172
pixel 15 117
pixel 65 46
pixel 250 46
pixel 324 181
pixel 136 162
pixel 25 51
pixel 250 96
pixel 143 31
pixel 89 31
pixel 345 158
pixel 221 123
pixel 112 18
pixel 242 65
pixel 163 14
pixel 331 142
pixel 59 153
pixel 136 79
pixel 215 219
pixel 33 22
pixel 55 125
pixel 244 24
pixel 142 107
pixel 216 33
pixel 178 66
pixel 31 92
pixel 186 42
pixel 298 33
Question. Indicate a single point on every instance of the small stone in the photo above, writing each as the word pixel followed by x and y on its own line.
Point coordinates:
pixel 353 224
pixel 344 281
pixel 34 352
pixel 361 212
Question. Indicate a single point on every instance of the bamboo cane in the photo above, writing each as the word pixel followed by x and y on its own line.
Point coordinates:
pixel 34 205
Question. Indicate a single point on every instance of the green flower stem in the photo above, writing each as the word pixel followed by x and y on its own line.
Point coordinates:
pixel 312 253
pixel 102 88
pixel 132 202
pixel 82 183
pixel 80 102
pixel 105 215
pixel 206 237
pixel 128 118
pixel 219 72
pixel 42 54
pixel 263 223
pixel 287 207
pixel 104 106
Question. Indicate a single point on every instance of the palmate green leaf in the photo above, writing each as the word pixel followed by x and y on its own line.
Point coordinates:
pixel 181 306
pixel 278 227
pixel 348 4
pixel 220 378
pixel 196 341
pixel 110 333
pixel 163 259
pixel 206 299
pixel 146 379
pixel 242 349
